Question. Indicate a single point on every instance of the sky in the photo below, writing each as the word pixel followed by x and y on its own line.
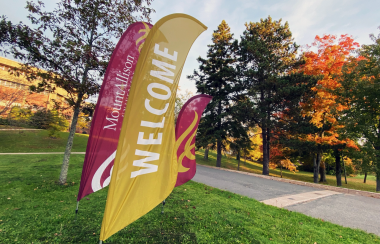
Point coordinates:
pixel 306 18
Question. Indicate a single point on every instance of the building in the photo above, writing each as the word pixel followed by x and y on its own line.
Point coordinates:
pixel 14 91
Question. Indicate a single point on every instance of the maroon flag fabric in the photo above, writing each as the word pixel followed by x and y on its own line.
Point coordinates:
pixel 109 111
pixel 185 131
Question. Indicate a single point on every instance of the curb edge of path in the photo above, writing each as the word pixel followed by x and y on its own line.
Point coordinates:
pixel 302 183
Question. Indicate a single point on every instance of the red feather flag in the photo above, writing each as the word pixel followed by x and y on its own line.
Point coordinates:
pixel 185 131
pixel 109 111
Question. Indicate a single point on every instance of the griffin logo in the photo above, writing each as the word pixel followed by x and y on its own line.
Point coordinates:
pixel 188 146
pixel 146 32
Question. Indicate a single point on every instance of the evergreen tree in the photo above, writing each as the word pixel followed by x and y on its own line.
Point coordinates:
pixel 268 56
pixel 216 77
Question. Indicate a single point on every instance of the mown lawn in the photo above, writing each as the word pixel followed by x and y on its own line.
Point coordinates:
pixel 38 141
pixel 35 209
pixel 231 163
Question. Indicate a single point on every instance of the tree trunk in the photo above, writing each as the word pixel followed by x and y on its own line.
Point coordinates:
pixel 206 154
pixel 219 140
pixel 338 168
pixel 219 153
pixel 323 172
pixel 344 167
pixel 365 177
pixel 281 170
pixel 314 167
pixel 316 163
pixel 238 156
pixel 377 148
pixel 265 151
pixel 245 158
pixel 69 145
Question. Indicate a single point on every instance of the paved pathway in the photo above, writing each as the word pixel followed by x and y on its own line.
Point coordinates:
pixel 339 208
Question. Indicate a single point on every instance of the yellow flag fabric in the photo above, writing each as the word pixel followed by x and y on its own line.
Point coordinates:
pixel 145 168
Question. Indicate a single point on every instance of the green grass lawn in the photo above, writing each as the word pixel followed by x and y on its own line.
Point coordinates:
pixel 35 209
pixel 369 177
pixel 231 163
pixel 38 141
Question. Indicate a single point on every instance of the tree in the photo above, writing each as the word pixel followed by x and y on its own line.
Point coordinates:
pixel 365 110
pixel 180 100
pixel 205 138
pixel 326 109
pixel 365 160
pixel 240 142
pixel 83 121
pixel 50 120
pixel 280 155
pixel 216 77
pixel 255 153
pixel 9 97
pixel 70 47
pixel 19 116
pixel 268 57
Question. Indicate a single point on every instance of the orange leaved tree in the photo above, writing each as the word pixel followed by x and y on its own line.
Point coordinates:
pixel 326 108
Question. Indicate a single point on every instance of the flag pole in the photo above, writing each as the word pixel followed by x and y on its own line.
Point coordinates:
pixel 163 204
pixel 76 211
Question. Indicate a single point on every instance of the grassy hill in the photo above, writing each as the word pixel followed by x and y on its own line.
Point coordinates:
pixel 14 141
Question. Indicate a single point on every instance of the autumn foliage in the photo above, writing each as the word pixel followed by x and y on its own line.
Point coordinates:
pixel 327 62
pixel 10 97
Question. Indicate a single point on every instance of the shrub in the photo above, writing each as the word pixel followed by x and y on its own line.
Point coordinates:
pixel 19 116
pixel 50 120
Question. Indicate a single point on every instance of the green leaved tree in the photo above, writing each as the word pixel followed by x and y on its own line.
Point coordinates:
pixel 365 110
pixel 70 47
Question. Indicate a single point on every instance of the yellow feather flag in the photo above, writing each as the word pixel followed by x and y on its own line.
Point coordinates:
pixel 145 168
